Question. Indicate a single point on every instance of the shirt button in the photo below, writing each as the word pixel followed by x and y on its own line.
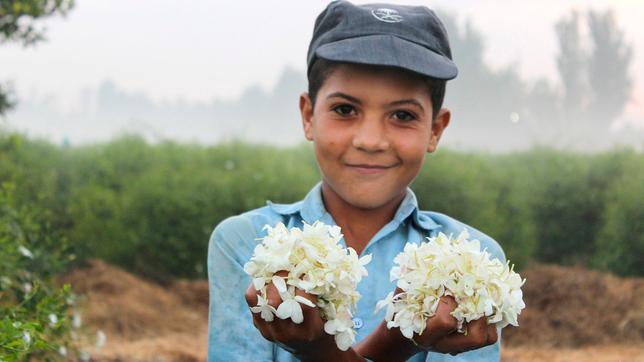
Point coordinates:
pixel 357 323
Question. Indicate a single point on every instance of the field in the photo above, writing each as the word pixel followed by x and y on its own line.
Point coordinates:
pixel 572 314
pixel 149 209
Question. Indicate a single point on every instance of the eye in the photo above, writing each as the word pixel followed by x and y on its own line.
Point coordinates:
pixel 344 109
pixel 404 116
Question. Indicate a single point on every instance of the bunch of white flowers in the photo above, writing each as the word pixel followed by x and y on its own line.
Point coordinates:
pixel 315 263
pixel 481 286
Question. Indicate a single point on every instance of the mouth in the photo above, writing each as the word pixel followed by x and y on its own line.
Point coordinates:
pixel 369 169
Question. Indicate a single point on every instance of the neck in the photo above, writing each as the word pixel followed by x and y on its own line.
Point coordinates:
pixel 359 225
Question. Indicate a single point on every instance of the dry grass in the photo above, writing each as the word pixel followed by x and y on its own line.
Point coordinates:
pixel 603 353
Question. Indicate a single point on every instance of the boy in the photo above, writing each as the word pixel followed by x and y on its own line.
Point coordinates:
pixel 377 78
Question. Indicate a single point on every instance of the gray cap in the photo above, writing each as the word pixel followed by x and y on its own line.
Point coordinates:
pixel 408 37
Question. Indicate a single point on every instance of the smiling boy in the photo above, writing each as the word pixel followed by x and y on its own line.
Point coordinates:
pixel 373 111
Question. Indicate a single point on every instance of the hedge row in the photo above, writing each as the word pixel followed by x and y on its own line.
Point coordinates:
pixel 151 208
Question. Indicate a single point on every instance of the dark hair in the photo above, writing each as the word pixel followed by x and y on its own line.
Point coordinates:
pixel 321 69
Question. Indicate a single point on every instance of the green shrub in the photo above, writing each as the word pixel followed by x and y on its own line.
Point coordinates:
pixel 151 208
pixel 566 208
pixel 620 242
pixel 36 315
pixel 485 191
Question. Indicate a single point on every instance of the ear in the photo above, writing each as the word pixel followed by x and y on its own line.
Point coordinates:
pixel 438 126
pixel 306 112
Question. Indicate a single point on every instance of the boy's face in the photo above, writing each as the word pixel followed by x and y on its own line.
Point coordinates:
pixel 371 128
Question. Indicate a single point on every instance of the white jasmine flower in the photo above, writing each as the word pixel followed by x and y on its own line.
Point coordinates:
pixel 26 337
pixel 290 306
pixel 481 286
pixel 85 356
pixel 345 339
pixel 25 252
pixel 389 303
pixel 266 310
pixel 101 338
pixel 53 319
pixel 77 321
pixel 316 263
pixel 26 287
pixel 342 329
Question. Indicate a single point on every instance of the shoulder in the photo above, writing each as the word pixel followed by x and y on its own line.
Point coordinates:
pixel 238 235
pixel 450 225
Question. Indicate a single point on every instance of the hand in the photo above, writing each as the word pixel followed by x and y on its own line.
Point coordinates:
pixel 286 331
pixel 306 340
pixel 440 335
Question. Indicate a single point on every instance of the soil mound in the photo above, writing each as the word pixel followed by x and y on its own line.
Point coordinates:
pixel 142 320
pixel 572 307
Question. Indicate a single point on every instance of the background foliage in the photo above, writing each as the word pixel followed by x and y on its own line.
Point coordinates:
pixel 151 208
pixel 35 314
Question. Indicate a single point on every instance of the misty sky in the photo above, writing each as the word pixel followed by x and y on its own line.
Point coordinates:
pixel 201 50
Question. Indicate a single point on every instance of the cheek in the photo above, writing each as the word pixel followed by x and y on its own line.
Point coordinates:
pixel 412 148
pixel 331 140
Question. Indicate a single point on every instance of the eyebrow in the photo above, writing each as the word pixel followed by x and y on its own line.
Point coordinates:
pixel 394 103
pixel 345 96
pixel 407 101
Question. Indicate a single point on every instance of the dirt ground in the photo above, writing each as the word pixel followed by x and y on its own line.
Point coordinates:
pixel 572 314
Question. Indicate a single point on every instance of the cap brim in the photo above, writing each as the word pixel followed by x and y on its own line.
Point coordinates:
pixel 391 51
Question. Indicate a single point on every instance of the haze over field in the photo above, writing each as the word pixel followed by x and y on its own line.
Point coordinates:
pixel 210 72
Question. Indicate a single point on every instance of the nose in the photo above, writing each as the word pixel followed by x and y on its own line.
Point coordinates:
pixel 370 135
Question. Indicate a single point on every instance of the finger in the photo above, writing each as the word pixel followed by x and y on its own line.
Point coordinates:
pixel 251 295
pixel 475 337
pixel 492 335
pixel 310 297
pixel 263 327
pixel 313 324
pixel 282 330
pixel 441 324
pixel 273 296
pixel 443 321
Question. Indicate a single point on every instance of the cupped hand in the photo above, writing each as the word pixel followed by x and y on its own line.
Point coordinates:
pixel 306 339
pixel 295 337
pixel 440 335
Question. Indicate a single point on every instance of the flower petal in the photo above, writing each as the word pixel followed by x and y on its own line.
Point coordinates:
pixel 304 301
pixel 284 310
pixel 279 283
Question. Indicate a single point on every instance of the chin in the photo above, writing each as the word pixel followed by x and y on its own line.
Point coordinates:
pixel 366 203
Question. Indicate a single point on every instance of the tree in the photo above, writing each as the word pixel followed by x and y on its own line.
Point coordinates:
pixel 596 82
pixel 18 23
pixel 608 68
pixel 571 64
pixel 483 99
pixel 5 102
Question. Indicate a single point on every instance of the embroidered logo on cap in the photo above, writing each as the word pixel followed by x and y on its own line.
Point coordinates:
pixel 387 15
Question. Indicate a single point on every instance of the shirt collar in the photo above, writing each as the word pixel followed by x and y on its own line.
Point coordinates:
pixel 311 208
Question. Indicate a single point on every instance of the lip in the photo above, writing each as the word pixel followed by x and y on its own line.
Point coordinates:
pixel 368 169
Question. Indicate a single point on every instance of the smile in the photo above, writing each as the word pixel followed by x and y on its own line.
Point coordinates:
pixel 368 169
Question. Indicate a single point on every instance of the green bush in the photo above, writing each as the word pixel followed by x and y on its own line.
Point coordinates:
pixel 151 208
pixel 620 241
pixel 488 192
pixel 36 315
pixel 566 208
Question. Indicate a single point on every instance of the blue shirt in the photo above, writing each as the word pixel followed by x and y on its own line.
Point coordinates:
pixel 231 334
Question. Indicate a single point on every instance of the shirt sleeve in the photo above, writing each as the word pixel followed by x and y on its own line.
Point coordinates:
pixel 231 333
